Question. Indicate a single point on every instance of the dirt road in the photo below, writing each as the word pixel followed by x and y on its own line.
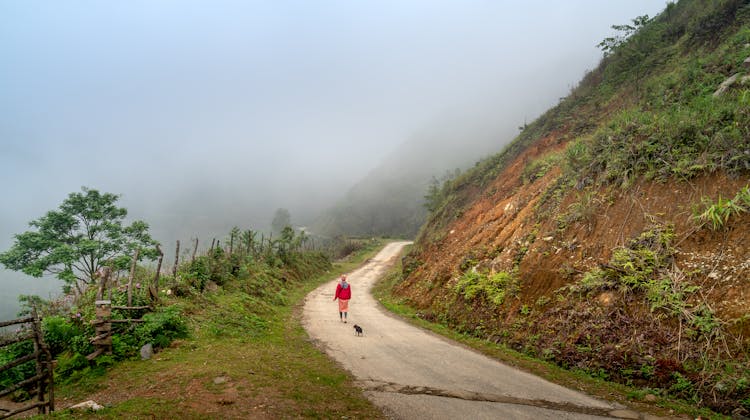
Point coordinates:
pixel 414 374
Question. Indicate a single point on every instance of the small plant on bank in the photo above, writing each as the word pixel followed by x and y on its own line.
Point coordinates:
pixel 493 287
pixel 646 266
pixel 582 210
pixel 717 214
pixel 540 167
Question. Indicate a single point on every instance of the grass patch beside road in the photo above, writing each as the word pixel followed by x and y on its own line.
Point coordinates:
pixel 244 359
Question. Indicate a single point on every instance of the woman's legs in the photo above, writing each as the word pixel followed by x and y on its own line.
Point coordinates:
pixel 343 309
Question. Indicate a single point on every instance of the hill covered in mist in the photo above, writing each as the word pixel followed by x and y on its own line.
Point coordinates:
pixel 389 200
pixel 611 236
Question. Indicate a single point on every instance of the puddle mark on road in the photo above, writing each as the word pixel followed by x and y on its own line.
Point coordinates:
pixel 614 412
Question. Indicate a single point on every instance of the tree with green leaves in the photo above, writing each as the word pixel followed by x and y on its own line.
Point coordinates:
pixel 632 48
pixel 611 44
pixel 73 242
pixel 281 219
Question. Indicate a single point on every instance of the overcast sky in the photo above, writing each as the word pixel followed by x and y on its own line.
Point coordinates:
pixel 225 110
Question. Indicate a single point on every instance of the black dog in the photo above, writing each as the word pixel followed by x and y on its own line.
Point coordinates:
pixel 357 330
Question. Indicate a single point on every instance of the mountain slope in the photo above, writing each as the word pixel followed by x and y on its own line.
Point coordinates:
pixel 389 200
pixel 613 234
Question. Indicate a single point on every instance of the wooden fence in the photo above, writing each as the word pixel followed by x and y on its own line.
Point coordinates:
pixel 102 341
pixel 43 381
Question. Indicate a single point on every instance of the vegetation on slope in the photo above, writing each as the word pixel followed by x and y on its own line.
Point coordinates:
pixel 603 238
pixel 226 315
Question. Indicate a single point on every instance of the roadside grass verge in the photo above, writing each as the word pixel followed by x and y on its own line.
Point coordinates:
pixel 244 358
pixel 577 380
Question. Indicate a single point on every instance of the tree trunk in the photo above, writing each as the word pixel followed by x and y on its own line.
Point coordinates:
pixel 104 273
pixel 250 242
pixel 195 249
pixel 158 267
pixel 132 275
pixel 176 260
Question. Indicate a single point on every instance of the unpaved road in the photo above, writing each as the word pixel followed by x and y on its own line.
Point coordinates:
pixel 413 374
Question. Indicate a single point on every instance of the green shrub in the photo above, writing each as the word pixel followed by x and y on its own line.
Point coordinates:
pixel 139 297
pixel 161 327
pixel 58 333
pixel 196 273
pixel 80 343
pixel 539 167
pixel 583 209
pixel 717 214
pixel 18 373
pixel 121 348
pixel 69 363
pixel 592 280
pixel 494 287
pixel 704 321
pixel 683 387
pixel 469 284
pixel 644 267
pixel 498 285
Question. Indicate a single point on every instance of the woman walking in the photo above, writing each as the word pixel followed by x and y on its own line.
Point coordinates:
pixel 343 294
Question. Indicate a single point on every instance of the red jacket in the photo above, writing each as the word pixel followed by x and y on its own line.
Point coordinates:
pixel 343 293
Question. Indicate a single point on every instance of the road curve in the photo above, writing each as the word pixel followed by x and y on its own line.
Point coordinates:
pixel 413 374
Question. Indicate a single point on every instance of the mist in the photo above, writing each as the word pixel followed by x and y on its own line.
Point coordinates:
pixel 206 115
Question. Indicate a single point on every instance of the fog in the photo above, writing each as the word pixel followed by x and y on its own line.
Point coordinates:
pixel 205 115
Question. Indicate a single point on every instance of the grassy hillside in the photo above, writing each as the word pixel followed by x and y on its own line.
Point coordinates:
pixel 611 236
pixel 227 337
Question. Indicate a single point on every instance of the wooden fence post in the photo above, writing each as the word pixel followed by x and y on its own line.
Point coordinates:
pixel 132 275
pixel 43 379
pixel 158 266
pixel 250 237
pixel 103 328
pixel 154 288
pixel 176 260
pixel 37 328
pixel 195 249
pixel 104 273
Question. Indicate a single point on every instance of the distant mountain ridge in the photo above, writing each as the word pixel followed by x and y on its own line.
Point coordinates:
pixel 389 201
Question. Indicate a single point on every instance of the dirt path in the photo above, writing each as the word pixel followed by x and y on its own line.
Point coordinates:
pixel 414 374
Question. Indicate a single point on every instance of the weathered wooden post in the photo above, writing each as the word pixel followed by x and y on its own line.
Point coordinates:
pixel 176 261
pixel 41 350
pixel 44 379
pixel 103 273
pixel 103 327
pixel 250 239
pixel 132 275
pixel 158 266
pixel 195 249
pixel 153 289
